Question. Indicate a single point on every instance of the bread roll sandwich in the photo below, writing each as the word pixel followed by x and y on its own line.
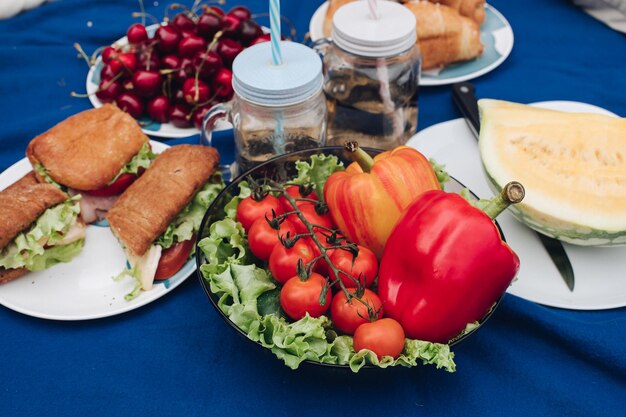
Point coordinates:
pixel 96 153
pixel 157 217
pixel 39 227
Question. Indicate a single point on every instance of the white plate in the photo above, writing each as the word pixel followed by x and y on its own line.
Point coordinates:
pixel 495 33
pixel 599 272
pixel 149 127
pixel 83 288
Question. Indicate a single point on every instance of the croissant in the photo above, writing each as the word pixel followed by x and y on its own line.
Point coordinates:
pixel 474 9
pixel 444 36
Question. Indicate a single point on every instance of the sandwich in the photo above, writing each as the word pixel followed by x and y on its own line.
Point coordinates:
pixel 156 219
pixel 39 227
pixel 96 153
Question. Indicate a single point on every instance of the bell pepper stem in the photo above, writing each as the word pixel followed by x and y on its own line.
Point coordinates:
pixel 360 156
pixel 512 193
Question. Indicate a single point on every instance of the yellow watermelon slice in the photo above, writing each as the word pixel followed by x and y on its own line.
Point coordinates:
pixel 572 165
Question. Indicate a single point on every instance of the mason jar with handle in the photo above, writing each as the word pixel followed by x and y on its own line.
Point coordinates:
pixel 275 108
pixel 372 68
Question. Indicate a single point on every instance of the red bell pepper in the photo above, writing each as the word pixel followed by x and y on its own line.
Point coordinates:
pixel 445 264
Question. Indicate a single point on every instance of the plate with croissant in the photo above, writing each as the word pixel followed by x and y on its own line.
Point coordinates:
pixel 459 39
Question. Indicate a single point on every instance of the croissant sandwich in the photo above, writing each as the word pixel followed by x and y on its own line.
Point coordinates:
pixel 157 217
pixel 96 153
pixel 39 227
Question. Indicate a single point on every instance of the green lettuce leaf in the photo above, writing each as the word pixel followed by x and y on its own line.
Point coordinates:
pixel 440 171
pixel 317 171
pixel 187 222
pixel 142 159
pixel 34 249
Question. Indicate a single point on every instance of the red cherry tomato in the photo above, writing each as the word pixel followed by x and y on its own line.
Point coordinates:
pixel 323 237
pixel 364 267
pixel 312 216
pixel 120 184
pixel 250 209
pixel 384 337
pixel 173 258
pixel 347 315
pixel 283 262
pixel 298 297
pixel 262 237
pixel 294 192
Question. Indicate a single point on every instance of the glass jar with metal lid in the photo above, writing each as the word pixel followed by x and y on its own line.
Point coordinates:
pixel 371 75
pixel 275 108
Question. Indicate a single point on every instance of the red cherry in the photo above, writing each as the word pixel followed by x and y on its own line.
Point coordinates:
pixel 232 25
pixel 185 70
pixel 109 90
pixel 228 50
pixel 146 83
pixel 214 10
pixel 124 62
pixel 170 61
pixel 130 103
pixel 208 25
pixel 109 53
pixel 195 91
pixel 180 115
pixel 249 30
pixel 167 38
pixel 198 115
pixel 223 83
pixel 183 22
pixel 241 12
pixel 159 109
pixel 106 73
pixel 207 64
pixel 266 37
pixel 191 45
pixel 137 34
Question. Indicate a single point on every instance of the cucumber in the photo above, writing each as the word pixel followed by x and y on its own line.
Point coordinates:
pixel 572 165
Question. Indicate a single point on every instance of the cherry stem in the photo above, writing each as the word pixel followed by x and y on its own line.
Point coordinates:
pixel 293 33
pixel 206 54
pixel 143 12
pixel 143 16
pixel 359 156
pixel 82 54
pixel 104 87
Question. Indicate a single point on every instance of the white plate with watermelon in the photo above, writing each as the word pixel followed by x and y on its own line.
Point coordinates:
pixel 599 271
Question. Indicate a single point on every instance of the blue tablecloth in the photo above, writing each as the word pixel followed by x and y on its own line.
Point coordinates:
pixel 176 356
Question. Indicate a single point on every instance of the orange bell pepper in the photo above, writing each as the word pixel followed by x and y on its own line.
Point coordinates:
pixel 367 199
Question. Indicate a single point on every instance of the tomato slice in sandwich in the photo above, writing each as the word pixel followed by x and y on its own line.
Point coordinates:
pixel 173 258
pixel 120 184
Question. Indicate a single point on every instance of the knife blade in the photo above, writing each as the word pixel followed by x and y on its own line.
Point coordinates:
pixel 464 97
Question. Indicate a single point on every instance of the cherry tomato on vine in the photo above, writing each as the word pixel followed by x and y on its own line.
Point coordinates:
pixel 384 337
pixel 173 258
pixel 364 267
pixel 283 261
pixel 262 237
pixel 249 209
pixel 311 216
pixel 298 297
pixel 323 237
pixel 348 315
pixel 294 191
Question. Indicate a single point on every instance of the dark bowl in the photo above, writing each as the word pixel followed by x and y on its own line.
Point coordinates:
pixel 280 168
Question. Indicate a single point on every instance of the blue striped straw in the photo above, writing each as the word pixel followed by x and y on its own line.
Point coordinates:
pixel 275 31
